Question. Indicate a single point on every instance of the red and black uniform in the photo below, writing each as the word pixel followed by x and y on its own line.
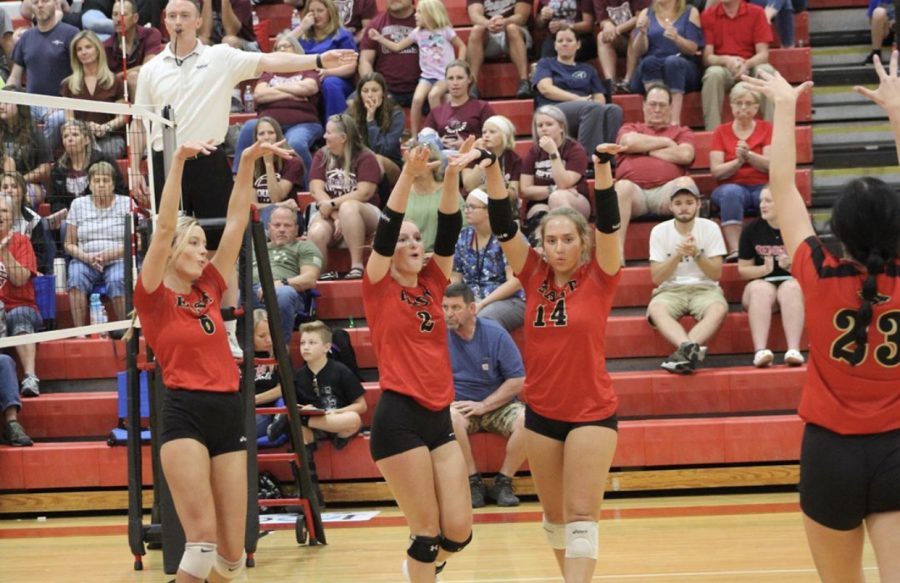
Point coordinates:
pixel 850 463
pixel 187 335
pixel 565 331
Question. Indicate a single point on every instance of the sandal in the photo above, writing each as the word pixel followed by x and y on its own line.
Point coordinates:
pixel 329 276
pixel 355 273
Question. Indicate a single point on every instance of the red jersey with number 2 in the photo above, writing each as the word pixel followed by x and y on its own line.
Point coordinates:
pixel 187 334
pixel 565 341
pixel 845 393
pixel 409 335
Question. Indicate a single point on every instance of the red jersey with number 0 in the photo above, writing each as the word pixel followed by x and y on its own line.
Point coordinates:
pixel 565 341
pixel 187 334
pixel 409 335
pixel 842 393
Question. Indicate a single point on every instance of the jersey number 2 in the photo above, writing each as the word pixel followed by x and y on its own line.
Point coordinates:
pixel 557 314
pixel 887 354
pixel 427 324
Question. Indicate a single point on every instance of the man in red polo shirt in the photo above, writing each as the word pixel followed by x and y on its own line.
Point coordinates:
pixel 737 38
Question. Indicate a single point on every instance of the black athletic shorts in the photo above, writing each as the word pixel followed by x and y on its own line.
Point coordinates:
pixel 559 430
pixel 205 189
pixel 844 478
pixel 214 419
pixel 401 424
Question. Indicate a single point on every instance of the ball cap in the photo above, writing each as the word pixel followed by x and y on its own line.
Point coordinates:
pixel 685 184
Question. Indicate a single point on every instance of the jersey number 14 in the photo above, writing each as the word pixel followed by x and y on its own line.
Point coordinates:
pixel 557 315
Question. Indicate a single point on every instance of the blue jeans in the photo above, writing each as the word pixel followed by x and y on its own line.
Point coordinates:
pixel 99 23
pixel 335 91
pixel 9 384
pixel 734 200
pixel 679 73
pixel 299 137
pixel 784 19
pixel 52 119
pixel 290 304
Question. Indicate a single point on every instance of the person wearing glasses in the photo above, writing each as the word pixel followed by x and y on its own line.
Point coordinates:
pixel 739 161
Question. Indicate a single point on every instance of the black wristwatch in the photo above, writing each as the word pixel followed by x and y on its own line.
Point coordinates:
pixel 554 156
pixel 284 281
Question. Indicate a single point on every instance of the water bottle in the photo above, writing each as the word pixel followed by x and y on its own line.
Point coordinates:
pixel 98 313
pixel 59 270
pixel 295 19
pixel 249 106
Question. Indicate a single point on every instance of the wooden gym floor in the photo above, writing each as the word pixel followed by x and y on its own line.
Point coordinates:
pixel 705 539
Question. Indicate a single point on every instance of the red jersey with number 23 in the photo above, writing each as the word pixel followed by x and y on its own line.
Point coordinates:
pixel 565 341
pixel 409 335
pixel 844 393
pixel 187 334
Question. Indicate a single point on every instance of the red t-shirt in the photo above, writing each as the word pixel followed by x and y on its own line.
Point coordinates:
pixel 400 70
pixel 645 170
pixel 17 296
pixel 565 332
pixel 364 168
pixel 187 334
pixel 288 112
pixel 724 140
pixel 736 36
pixel 844 398
pixel 462 121
pixel 537 163
pixel 409 335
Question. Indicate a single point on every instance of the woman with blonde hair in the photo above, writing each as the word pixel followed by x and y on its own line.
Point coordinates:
pixel 498 136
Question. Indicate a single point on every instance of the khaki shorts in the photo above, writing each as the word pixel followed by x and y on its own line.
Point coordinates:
pixel 497 45
pixel 500 421
pixel 656 199
pixel 687 299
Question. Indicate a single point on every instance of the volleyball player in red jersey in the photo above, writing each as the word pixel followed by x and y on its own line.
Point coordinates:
pixel 412 437
pixel 571 407
pixel 178 296
pixel 850 458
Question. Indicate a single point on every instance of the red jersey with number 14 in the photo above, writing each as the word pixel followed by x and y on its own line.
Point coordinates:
pixel 187 334
pixel 843 393
pixel 409 335
pixel 565 341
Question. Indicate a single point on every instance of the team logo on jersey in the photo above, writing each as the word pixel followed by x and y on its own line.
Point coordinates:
pixel 426 299
pixel 551 295
pixel 199 307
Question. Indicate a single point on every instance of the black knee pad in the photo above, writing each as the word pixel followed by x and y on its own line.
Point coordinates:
pixel 424 548
pixel 451 546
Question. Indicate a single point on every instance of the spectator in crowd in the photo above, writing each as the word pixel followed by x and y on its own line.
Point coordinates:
pixel 781 13
pixel 498 135
pixel 13 432
pixel 488 375
pixel 653 155
pixel 400 70
pixel 228 22
pixel 291 99
pixel 617 20
pixel 436 40
pixel 375 110
pixel 480 265
pixel 736 36
pixel 553 171
pixel 575 88
pixel 668 39
pixel 343 181
pixel 267 380
pixel 882 16
pixel 686 265
pixel 42 57
pixel 27 222
pixel 17 266
pixel 24 148
pixel 142 43
pixel 92 80
pixel 321 30
pixel 7 43
pixel 770 286
pixel 739 161
pixel 554 15
pixel 99 15
pixel 500 28
pixel 296 265
pixel 275 179
pixel 95 229
pixel 425 195
pixel 69 175
pixel 356 15
pixel 462 115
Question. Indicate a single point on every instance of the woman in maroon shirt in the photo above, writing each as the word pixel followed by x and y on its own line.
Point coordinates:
pixel 461 115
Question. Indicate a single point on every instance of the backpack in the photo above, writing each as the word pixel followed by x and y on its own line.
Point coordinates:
pixel 342 350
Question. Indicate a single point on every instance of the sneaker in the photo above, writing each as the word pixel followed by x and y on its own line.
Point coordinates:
pixel 763 358
pixel 277 427
pixel 523 91
pixel 478 489
pixel 236 350
pixel 685 359
pixel 622 87
pixel 793 358
pixel 329 276
pixel 14 434
pixel 31 386
pixel 501 491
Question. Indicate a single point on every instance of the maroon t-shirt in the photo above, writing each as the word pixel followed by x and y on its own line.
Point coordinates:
pixel 243 10
pixel 112 94
pixel 148 41
pixel 645 170
pixel 538 164
pixel 400 70
pixel 618 11
pixel 511 164
pixel 462 121
pixel 352 12
pixel 291 169
pixel 288 112
pixel 337 183
pixel 492 8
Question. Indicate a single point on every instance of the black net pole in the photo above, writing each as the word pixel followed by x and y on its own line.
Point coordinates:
pixel 248 389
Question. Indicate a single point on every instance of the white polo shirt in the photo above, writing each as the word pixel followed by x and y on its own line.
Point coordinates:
pixel 199 90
